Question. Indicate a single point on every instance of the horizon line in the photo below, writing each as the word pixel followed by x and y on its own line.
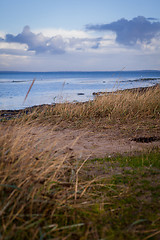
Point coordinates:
pixel 83 71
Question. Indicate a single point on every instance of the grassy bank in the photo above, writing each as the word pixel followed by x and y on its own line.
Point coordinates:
pixel 111 107
pixel 44 196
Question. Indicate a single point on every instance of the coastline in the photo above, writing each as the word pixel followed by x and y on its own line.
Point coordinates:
pixel 55 87
pixel 9 114
pixel 133 90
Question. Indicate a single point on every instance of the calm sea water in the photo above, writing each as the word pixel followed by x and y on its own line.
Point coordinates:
pixel 53 87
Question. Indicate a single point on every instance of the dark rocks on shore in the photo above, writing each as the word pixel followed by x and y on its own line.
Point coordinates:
pixel 148 79
pixel 8 114
pixel 11 114
pixel 142 79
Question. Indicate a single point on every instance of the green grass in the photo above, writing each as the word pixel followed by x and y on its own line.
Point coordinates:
pixel 147 160
pixel 151 159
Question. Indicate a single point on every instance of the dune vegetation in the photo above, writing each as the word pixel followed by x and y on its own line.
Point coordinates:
pixel 119 106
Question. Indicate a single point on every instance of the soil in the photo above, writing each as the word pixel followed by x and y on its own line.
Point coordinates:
pixel 90 142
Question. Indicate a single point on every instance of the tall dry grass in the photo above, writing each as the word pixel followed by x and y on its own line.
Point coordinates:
pixel 122 106
pixel 35 184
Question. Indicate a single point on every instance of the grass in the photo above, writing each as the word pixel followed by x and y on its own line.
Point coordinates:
pixel 44 196
pixel 148 160
pixel 36 203
pixel 111 108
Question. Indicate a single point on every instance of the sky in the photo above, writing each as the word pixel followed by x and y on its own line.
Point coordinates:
pixel 79 35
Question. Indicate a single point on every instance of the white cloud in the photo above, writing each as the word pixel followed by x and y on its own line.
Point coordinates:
pixel 50 32
pixel 79 40
pixel 17 49
pixel 151 47
pixel 6 45
pixel 2 34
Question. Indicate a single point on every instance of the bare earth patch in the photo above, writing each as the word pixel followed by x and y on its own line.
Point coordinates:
pixel 83 143
pixel 88 142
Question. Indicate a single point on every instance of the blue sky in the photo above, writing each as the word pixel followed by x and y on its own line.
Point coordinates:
pixel 77 35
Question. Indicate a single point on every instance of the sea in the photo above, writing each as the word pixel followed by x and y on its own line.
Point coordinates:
pixel 57 87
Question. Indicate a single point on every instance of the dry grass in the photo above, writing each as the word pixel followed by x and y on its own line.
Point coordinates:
pixel 121 107
pixel 34 183
pixel 48 197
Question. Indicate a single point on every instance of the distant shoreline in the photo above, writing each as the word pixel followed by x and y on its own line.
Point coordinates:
pixel 105 71
pixel 138 89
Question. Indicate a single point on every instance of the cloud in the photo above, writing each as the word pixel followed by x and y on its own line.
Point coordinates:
pixel 38 42
pixel 135 43
pixel 139 29
pixel 82 44
pixel 55 43
pixel 50 32
pixel 2 35
pixel 152 19
pixel 14 48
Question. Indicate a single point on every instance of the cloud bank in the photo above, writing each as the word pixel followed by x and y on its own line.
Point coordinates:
pixel 141 32
pixel 134 43
pixel 57 44
pixel 129 32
